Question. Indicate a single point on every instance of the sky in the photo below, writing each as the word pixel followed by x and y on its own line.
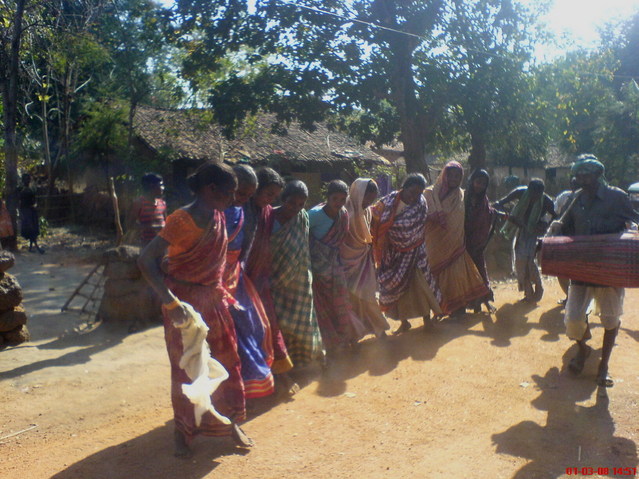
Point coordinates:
pixel 579 20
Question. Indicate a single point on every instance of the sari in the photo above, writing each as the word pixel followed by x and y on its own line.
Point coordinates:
pixel 258 270
pixel 407 288
pixel 253 330
pixel 338 325
pixel 293 290
pixel 478 227
pixel 456 273
pixel 195 265
pixel 357 259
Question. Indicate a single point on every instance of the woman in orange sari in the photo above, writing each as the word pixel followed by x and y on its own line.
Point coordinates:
pixel 195 238
pixel 456 274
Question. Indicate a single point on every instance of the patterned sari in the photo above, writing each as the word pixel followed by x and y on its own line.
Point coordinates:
pixel 337 323
pixel 455 271
pixel 293 290
pixel 407 287
pixel 258 269
pixel 253 330
pixel 357 258
pixel 196 262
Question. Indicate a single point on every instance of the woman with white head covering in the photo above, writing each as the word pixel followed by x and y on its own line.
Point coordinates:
pixel 357 256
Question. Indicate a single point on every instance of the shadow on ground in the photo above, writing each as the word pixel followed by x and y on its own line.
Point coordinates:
pixel 574 436
pixel 103 337
pixel 151 455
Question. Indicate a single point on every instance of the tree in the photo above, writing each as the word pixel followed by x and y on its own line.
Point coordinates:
pixel 11 30
pixel 318 63
pixel 133 33
pixel 490 44
pixel 391 69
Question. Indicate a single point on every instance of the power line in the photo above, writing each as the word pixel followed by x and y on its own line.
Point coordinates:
pixel 421 37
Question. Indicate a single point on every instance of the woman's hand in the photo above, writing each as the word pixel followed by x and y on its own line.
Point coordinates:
pixel 179 316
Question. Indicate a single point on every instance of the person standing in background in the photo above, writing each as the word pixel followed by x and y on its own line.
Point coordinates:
pixel 29 218
pixel 148 212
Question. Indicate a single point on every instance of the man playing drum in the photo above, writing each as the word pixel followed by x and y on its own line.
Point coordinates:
pixel 597 208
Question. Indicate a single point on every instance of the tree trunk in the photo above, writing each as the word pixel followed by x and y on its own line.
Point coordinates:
pixel 414 121
pixel 477 158
pixel 10 106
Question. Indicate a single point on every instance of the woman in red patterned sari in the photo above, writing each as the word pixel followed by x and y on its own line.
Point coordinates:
pixel 259 218
pixel 328 225
pixel 196 241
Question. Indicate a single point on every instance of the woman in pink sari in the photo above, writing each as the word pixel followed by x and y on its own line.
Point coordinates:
pixel 328 227
pixel 195 238
pixel 357 257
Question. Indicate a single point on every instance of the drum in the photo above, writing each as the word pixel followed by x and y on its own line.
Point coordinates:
pixel 606 260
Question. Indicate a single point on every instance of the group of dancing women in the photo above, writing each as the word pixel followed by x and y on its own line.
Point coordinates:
pixel 280 287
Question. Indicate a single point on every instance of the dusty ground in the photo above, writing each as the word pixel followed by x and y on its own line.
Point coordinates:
pixel 482 397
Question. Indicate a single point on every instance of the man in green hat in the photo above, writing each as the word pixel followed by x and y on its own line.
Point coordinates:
pixel 597 208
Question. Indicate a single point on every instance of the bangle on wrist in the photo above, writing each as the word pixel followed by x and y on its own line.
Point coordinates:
pixel 172 305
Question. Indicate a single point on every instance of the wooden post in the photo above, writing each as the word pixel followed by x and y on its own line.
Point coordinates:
pixel 116 212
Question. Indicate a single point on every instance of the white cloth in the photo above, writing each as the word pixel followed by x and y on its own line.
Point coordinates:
pixel 205 372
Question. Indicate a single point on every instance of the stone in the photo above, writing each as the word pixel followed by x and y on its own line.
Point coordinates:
pixel 125 253
pixel 7 260
pixel 122 270
pixel 10 293
pixel 12 319
pixel 17 336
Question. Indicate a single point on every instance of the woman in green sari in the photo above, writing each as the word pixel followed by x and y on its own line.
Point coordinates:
pixel 291 278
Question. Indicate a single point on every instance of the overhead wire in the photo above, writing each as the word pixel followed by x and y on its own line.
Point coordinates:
pixel 421 37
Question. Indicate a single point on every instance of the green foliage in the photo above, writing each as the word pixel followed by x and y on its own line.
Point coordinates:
pixel 44 227
pixel 104 131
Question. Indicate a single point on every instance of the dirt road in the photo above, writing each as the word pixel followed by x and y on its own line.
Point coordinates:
pixel 481 397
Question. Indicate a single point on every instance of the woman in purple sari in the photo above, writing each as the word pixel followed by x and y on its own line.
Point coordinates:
pixel 328 225
pixel 407 288
pixel 478 228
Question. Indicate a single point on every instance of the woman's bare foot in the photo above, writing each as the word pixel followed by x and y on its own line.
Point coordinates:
pixel 405 326
pixel 182 449
pixel 240 437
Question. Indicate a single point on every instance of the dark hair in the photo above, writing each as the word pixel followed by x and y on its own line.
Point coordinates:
pixel 371 187
pixel 470 191
pixel 336 186
pixel 268 176
pixel 414 179
pixel 245 175
pixel 212 174
pixel 150 181
pixel 537 184
pixel 294 188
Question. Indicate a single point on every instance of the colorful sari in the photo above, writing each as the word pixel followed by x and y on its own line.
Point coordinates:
pixel 357 259
pixel 455 271
pixel 258 269
pixel 253 330
pixel 407 287
pixel 293 290
pixel 478 227
pixel 195 265
pixel 338 325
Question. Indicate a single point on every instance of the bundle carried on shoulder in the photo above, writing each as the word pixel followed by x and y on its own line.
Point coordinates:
pixel 606 260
